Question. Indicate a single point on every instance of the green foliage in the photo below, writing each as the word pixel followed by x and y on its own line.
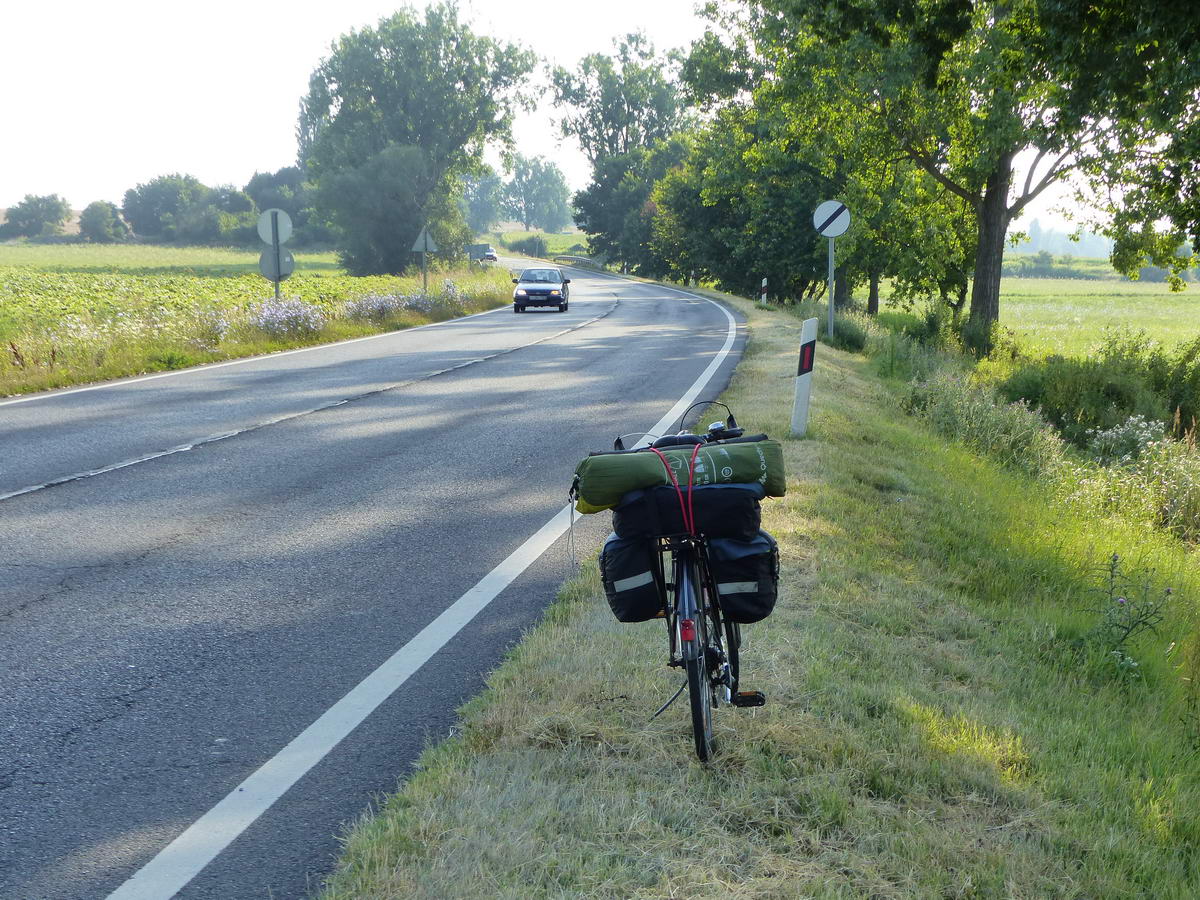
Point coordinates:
pixel 616 211
pixel 85 312
pixel 1126 606
pixel 383 169
pixel 288 190
pixel 617 105
pixel 534 245
pixel 36 216
pixel 101 223
pixel 1127 375
pixel 1013 433
pixel 481 200
pixel 537 195
pixel 378 211
pixel 958 90
pixel 151 208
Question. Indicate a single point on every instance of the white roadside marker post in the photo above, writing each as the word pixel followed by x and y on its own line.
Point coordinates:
pixel 763 299
pixel 808 350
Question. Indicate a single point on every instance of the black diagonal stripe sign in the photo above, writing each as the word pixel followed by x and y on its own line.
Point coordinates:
pixel 837 212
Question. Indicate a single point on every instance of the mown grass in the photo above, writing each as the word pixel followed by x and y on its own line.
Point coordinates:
pixel 935 728
pixel 73 313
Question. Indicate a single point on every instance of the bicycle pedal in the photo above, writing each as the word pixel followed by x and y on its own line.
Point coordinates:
pixel 749 698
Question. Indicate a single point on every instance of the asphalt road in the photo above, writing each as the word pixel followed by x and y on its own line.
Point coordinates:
pixel 170 618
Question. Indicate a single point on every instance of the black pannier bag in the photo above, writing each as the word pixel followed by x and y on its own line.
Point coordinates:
pixel 721 510
pixel 631 580
pixel 746 574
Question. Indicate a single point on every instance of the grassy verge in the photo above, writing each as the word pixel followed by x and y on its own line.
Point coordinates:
pixel 935 728
pixel 71 314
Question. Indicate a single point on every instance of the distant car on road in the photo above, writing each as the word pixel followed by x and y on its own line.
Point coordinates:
pixel 541 287
pixel 490 254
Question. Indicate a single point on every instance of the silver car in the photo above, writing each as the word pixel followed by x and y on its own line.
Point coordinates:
pixel 542 286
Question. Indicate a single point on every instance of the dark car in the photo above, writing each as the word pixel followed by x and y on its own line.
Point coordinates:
pixel 541 287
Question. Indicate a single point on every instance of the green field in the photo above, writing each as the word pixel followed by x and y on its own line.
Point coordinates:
pixel 1051 315
pixel 555 243
pixel 75 312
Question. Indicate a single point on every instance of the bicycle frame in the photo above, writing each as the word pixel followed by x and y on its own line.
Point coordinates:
pixel 695 602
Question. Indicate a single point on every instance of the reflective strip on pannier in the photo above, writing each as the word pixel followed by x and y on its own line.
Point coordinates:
pixel 637 581
pixel 737 587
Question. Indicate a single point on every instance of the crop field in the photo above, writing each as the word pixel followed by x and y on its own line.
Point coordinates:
pixel 72 313
pixel 555 243
pixel 1068 316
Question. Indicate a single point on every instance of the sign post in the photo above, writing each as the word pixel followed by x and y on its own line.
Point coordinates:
pixel 831 220
pixel 276 264
pixel 424 245
pixel 808 350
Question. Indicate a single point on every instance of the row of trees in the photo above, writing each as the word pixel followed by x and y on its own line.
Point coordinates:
pixel 176 208
pixel 913 112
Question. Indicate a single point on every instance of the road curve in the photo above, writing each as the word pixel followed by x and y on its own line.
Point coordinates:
pixel 196 567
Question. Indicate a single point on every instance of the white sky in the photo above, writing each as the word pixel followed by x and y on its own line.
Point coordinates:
pixel 99 96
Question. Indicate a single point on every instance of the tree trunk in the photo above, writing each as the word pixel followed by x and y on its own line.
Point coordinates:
pixel 989 252
pixel 841 290
pixel 873 296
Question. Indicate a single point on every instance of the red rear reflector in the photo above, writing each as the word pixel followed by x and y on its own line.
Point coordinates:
pixel 687 630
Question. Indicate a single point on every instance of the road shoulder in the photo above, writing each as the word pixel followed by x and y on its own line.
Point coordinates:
pixel 917 742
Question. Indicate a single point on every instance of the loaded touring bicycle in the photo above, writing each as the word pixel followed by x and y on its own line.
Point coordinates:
pixel 687 547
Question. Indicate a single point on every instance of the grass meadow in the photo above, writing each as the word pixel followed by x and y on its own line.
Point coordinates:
pixel 1068 316
pixel 935 725
pixel 555 243
pixel 73 313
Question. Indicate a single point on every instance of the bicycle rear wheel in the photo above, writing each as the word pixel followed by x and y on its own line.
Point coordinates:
pixel 695 660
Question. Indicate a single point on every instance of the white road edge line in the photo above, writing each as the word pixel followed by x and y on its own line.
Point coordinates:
pixel 183 859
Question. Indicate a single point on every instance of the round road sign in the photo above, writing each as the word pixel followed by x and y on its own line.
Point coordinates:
pixel 264 225
pixel 831 219
pixel 266 265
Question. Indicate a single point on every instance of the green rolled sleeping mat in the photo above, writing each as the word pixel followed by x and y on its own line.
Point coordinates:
pixel 603 478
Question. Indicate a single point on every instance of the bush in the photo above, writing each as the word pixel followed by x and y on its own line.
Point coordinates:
pixel 287 317
pixel 1081 396
pixel 1012 432
pixel 534 245
pixel 101 223
pixel 1123 443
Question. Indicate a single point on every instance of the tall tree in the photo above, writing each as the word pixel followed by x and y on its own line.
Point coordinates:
pixel 616 104
pixel 616 211
pixel 37 215
pixel 964 86
pixel 151 208
pixel 481 201
pixel 410 98
pixel 101 223
pixel 537 194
